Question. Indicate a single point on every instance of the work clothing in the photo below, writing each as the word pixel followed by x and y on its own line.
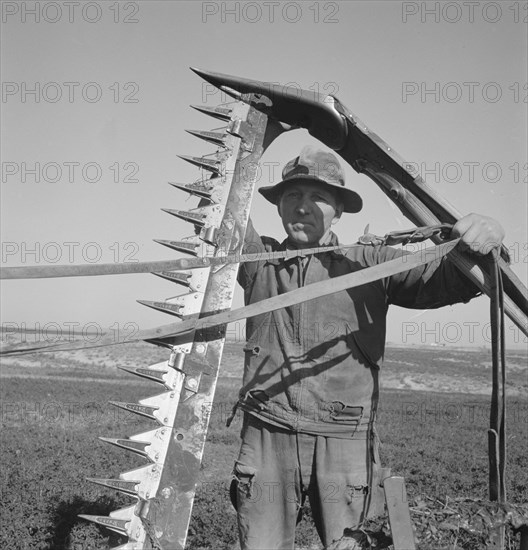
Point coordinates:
pixel 278 469
pixel 313 367
pixel 311 372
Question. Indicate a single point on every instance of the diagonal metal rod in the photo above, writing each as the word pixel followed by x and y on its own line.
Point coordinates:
pixel 91 270
pixel 305 293
pixel 328 120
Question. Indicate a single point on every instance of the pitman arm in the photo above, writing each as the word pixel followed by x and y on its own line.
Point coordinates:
pixel 329 121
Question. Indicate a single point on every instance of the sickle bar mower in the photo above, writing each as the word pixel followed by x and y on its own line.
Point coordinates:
pixel 165 486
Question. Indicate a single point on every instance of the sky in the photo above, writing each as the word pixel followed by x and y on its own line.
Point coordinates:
pixel 95 103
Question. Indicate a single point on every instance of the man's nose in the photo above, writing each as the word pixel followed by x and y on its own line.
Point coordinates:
pixel 304 207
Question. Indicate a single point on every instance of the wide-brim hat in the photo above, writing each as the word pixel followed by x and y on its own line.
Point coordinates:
pixel 318 166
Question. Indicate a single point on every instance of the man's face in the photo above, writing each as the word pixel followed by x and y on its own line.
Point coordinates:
pixel 307 210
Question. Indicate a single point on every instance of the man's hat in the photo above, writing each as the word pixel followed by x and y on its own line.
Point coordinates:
pixel 318 166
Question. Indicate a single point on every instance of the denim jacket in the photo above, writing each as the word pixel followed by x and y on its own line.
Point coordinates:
pixel 314 367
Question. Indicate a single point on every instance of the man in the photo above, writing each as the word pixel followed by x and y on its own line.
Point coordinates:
pixel 310 387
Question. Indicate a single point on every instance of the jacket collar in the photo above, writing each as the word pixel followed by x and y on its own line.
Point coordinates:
pixel 286 244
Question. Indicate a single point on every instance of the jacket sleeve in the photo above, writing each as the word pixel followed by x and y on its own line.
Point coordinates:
pixel 435 284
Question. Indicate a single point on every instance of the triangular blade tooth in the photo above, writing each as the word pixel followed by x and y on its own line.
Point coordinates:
pixel 160 372
pixel 210 165
pixel 115 524
pixel 194 189
pixel 153 444
pixel 211 189
pixel 216 138
pixel 125 521
pixel 198 280
pixel 195 280
pixel 125 486
pixel 136 408
pixel 172 309
pixel 150 374
pixel 164 403
pixel 198 218
pixel 221 113
pixel 203 217
pixel 158 438
pixel 124 513
pixel 146 477
pixel 190 303
pixel 157 407
pixel 189 247
pixel 138 447
pixel 181 277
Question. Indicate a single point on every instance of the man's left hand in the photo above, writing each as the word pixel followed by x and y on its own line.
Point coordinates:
pixel 479 234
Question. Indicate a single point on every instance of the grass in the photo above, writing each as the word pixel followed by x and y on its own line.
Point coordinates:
pixel 49 430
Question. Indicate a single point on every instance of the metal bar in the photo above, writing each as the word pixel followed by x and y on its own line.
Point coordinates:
pixel 170 515
pixel 172 332
pixel 91 270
